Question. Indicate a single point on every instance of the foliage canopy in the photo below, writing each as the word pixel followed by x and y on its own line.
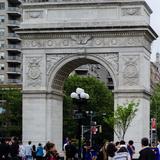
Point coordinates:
pixel 155 109
pixel 11 111
pixel 100 101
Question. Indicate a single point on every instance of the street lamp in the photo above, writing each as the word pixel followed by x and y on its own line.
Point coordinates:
pixel 79 96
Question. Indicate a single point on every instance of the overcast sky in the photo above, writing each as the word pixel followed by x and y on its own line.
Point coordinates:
pixel 155 23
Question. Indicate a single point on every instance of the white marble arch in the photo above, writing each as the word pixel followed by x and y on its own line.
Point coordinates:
pixel 73 61
pixel 53 47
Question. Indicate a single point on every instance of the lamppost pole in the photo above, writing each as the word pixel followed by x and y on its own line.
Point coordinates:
pixel 79 96
pixel 90 114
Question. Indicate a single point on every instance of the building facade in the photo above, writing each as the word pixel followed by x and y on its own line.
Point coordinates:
pixel 155 76
pixel 10 50
pixel 97 71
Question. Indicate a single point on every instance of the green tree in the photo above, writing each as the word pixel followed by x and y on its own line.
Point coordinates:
pixel 155 109
pixel 100 101
pixel 122 118
pixel 11 111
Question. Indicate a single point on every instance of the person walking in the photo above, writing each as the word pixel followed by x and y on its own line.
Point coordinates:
pixel 103 152
pixel 146 153
pixel 34 152
pixel 111 150
pixel 70 151
pixel 131 148
pixel 87 151
pixel 122 153
pixel 39 152
pixel 14 149
pixel 4 150
pixel 155 150
pixel 21 154
pixel 28 151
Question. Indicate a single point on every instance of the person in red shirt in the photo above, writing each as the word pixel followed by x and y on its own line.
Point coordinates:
pixel 51 152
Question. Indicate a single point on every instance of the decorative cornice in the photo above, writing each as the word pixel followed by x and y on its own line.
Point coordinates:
pixel 61 3
pixel 134 91
pixel 98 33
pixel 41 93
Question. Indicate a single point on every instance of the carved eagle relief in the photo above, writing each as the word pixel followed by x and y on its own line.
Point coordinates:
pixel 81 39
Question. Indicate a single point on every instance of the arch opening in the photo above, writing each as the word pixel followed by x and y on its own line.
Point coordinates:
pixel 63 70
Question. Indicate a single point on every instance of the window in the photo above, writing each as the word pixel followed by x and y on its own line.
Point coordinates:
pixel 1 66
pixel 2 55
pixel 1 44
pixel 2 31
pixel 2 6
pixel 2 19
pixel 1 78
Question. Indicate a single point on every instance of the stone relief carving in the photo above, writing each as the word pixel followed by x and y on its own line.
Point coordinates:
pixel 113 42
pixel 52 60
pixel 131 41
pixel 81 39
pixel 34 14
pixel 33 71
pixel 112 59
pixel 131 70
pixel 131 11
pixel 87 41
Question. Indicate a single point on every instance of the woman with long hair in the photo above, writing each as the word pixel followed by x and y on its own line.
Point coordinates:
pixel 111 150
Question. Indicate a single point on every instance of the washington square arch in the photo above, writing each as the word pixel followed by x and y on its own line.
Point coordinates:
pixel 60 35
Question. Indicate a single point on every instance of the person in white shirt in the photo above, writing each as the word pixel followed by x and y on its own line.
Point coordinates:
pixel 122 153
pixel 28 151
pixel 21 151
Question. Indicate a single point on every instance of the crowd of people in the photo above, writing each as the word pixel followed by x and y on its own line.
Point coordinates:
pixel 12 149
pixel 113 151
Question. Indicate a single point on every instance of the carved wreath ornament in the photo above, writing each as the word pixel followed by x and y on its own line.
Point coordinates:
pixel 130 72
pixel 34 72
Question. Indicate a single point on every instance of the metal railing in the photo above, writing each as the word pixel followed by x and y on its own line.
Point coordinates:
pixel 13 35
pixel 14 81
pixel 14 69
pixel 13 22
pixel 13 46
pixel 14 9
pixel 14 58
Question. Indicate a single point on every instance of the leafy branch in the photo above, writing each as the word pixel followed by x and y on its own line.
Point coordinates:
pixel 121 119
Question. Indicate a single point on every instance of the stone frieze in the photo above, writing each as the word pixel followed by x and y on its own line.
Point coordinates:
pixel 87 41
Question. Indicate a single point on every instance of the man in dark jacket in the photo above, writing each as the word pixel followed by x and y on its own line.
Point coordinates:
pixel 4 150
pixel 14 149
pixel 70 151
pixel 146 153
